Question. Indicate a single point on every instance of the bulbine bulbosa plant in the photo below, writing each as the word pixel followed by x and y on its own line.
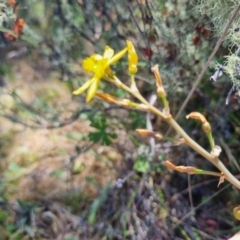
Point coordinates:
pixel 100 67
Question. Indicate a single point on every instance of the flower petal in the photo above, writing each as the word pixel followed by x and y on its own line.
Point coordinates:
pixel 130 46
pixel 83 88
pixel 117 56
pixel 90 63
pixel 96 57
pixel 108 52
pixel 101 68
pixel 92 89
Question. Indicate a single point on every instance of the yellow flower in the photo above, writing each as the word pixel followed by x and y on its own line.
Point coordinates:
pixel 132 58
pixel 99 65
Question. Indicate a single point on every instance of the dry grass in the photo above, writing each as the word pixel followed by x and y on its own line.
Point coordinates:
pixel 44 155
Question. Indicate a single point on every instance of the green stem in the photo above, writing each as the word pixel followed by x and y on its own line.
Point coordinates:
pixel 216 161
pixel 189 141
pixel 164 101
pixel 211 140
pixel 137 94
pixel 200 171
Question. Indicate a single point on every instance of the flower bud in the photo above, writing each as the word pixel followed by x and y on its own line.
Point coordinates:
pixel 197 116
pixel 156 72
pixel 132 58
pixel 122 102
pixel 206 127
pixel 147 133
pixel 161 92
pixel 236 213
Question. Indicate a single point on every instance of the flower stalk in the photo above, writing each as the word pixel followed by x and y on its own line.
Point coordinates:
pixel 190 170
pixel 100 67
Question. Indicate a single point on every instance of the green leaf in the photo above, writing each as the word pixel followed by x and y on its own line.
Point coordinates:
pixel 96 205
pixel 101 135
pixel 142 164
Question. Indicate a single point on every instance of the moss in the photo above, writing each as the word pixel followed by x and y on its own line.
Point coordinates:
pixel 7 13
pixel 220 12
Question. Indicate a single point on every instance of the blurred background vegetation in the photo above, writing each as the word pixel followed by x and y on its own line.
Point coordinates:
pixel 71 170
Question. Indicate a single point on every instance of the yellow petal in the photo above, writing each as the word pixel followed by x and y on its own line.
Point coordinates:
pixel 83 88
pixel 108 52
pixel 117 56
pixel 92 89
pixel 88 65
pixel 101 68
pixel 130 46
pixel 96 57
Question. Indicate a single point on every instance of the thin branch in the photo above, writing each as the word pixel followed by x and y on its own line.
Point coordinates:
pixel 207 63
pixel 65 122
pixel 190 192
